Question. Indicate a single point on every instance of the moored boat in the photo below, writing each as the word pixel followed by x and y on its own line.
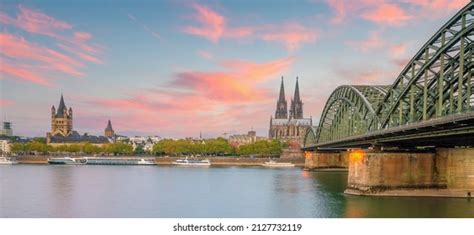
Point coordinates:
pixel 67 161
pixel 273 163
pixel 7 161
pixel 192 162
pixel 118 161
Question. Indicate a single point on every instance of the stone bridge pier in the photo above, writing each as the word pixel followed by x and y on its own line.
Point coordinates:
pixel 326 160
pixel 443 172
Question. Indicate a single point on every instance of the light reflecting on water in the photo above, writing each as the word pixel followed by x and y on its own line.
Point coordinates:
pixel 150 191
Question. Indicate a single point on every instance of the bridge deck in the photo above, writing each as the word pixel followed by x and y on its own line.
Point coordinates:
pixel 453 130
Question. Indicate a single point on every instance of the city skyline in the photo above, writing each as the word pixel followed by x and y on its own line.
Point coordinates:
pixel 203 66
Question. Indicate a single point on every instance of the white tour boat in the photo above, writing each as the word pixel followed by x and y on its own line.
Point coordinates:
pixel 67 161
pixel 192 162
pixel 7 161
pixel 273 163
pixel 118 161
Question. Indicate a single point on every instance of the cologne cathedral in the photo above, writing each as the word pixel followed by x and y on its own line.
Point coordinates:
pixel 289 125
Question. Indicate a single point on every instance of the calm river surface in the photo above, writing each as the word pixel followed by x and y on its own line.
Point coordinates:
pixel 162 191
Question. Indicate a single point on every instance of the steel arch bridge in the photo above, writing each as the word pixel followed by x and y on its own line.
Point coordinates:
pixel 430 102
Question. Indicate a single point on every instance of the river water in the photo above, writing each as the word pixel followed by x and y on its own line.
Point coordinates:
pixel 216 192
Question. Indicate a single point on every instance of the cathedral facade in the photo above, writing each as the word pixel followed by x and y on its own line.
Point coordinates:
pixel 289 124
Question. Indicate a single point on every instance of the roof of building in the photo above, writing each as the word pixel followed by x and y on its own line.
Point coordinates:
pixel 296 96
pixel 109 127
pixel 75 137
pixel 281 97
pixel 61 107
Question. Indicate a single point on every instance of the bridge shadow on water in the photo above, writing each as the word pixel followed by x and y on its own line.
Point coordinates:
pixel 331 186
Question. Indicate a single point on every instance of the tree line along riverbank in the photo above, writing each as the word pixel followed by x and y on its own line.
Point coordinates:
pixel 166 147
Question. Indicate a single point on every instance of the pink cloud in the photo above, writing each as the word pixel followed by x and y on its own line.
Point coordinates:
pixel 344 9
pixel 388 14
pixel 439 4
pixel 373 42
pixel 204 54
pixel 339 7
pixel 362 77
pixel 392 13
pixel 34 21
pixel 214 26
pixel 30 61
pixel 82 36
pixel 398 50
pixel 18 48
pixel 22 73
pixel 240 32
pixel 398 54
pixel 5 102
pixel 291 35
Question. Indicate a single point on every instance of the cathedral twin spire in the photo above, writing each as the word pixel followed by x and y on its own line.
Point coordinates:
pixel 296 107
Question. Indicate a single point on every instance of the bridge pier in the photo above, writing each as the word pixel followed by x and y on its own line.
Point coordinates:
pixel 447 172
pixel 335 160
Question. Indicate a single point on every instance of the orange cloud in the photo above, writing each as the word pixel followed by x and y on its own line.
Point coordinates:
pixel 373 42
pixel 222 100
pixel 237 84
pixel 387 13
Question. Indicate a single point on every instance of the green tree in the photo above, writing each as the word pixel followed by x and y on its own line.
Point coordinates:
pixel 139 150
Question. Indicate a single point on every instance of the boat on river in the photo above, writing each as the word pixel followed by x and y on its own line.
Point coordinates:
pixel 118 161
pixel 67 161
pixel 192 162
pixel 273 163
pixel 7 161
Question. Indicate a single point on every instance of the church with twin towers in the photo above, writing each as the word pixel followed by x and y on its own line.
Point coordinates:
pixel 289 124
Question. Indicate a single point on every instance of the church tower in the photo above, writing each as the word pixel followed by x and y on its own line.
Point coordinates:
pixel 296 108
pixel 61 119
pixel 109 131
pixel 281 108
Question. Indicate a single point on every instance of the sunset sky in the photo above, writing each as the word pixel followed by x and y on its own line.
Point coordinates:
pixel 174 68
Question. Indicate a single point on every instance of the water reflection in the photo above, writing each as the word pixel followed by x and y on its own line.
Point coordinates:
pixel 60 190
pixel 391 207
pixel 128 191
